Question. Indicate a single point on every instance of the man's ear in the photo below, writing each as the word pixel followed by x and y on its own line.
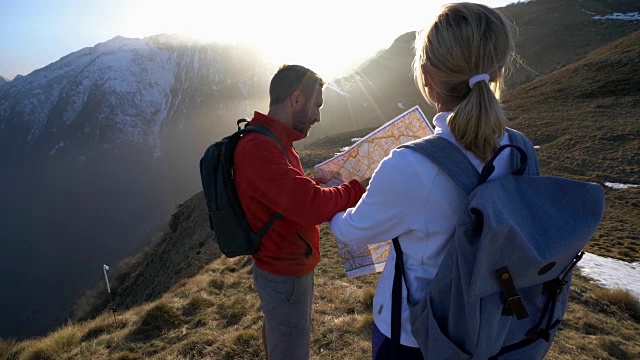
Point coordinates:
pixel 297 99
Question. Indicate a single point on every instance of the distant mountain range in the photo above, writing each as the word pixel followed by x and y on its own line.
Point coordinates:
pixel 549 35
pixel 100 146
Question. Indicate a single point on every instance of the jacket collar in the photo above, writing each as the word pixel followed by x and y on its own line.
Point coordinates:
pixel 440 121
pixel 286 134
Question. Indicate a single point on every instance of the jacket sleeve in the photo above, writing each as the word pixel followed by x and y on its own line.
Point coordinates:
pixel 393 202
pixel 262 167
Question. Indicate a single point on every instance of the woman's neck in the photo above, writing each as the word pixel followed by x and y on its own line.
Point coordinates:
pixel 447 105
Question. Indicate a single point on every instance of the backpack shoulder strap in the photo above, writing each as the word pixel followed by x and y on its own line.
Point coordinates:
pixel 519 139
pixel 449 158
pixel 265 131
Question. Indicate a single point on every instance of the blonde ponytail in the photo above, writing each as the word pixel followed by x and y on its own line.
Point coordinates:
pixel 466 40
pixel 478 122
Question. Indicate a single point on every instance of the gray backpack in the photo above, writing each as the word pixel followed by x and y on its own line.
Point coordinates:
pixel 503 286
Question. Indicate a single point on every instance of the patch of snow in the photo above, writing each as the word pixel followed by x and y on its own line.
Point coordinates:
pixel 60 144
pixel 619 186
pixel 611 273
pixel 588 12
pixel 401 106
pixel 196 63
pixel 536 146
pixel 335 88
pixel 632 16
pixel 342 150
pixel 357 77
pixel 243 88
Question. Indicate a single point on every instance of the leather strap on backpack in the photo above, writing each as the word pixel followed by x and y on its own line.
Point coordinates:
pixel 552 289
pixel 513 302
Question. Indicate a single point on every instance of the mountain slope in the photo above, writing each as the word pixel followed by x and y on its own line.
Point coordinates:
pixel 183 251
pixel 584 117
pixel 550 34
pixel 98 148
pixel 131 91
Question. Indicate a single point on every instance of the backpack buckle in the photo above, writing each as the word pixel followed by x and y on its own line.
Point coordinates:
pixel 554 287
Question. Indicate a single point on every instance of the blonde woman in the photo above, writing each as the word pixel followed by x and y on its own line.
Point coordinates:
pixel 459 66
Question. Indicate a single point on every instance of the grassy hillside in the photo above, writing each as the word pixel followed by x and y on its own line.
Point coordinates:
pixel 549 34
pixel 584 118
pixel 553 33
pixel 214 315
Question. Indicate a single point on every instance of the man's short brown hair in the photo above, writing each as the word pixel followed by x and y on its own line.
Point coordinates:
pixel 288 78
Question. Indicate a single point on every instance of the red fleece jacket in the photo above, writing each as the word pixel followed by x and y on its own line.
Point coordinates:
pixel 267 183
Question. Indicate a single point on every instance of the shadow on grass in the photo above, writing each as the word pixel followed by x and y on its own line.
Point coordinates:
pixel 159 320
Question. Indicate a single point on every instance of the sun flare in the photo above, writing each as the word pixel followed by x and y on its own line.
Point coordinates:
pixel 328 41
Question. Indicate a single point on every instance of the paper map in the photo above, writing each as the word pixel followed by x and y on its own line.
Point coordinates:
pixel 359 162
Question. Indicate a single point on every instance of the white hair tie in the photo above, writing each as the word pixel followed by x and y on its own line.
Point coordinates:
pixel 480 77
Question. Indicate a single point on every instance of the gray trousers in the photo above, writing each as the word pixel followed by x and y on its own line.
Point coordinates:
pixel 286 304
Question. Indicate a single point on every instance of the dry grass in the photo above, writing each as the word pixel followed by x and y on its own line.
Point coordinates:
pixel 597 325
pixel 57 345
pixel 215 315
pixel 622 299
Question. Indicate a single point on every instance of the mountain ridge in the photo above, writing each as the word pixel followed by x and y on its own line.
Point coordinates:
pixel 549 34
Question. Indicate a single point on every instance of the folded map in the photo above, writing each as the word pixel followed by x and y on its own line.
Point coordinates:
pixel 359 162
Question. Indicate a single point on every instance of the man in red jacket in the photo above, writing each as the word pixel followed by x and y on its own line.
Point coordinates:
pixel 267 183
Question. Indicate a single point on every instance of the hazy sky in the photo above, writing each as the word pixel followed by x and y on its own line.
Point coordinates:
pixel 326 35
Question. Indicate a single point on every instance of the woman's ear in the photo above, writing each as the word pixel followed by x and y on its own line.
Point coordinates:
pixel 425 76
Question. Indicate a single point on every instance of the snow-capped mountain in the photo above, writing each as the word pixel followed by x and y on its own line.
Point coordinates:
pixel 3 80
pixel 97 150
pixel 127 91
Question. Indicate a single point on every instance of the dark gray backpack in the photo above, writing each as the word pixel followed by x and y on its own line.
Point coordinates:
pixel 226 217
pixel 502 288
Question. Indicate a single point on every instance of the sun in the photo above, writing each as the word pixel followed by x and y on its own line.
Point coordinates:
pixel 282 30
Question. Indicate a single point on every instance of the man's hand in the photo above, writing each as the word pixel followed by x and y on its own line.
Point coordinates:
pixel 318 181
pixel 365 182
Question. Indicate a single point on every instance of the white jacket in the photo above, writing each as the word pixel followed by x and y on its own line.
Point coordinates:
pixel 409 197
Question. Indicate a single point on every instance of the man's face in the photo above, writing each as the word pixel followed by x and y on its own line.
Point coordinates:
pixel 308 113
